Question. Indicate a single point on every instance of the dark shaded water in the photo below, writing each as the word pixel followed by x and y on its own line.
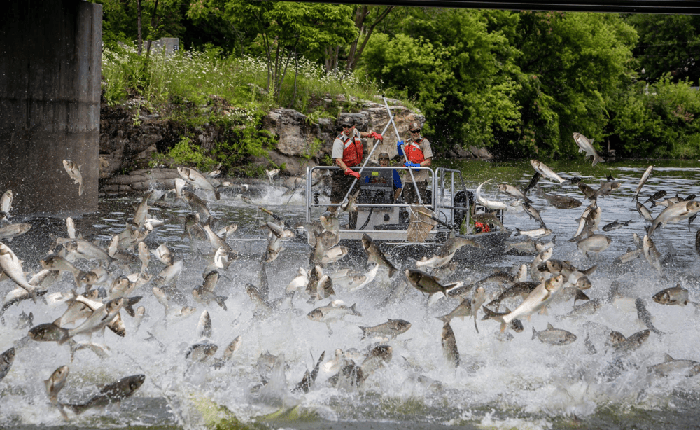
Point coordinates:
pixel 515 383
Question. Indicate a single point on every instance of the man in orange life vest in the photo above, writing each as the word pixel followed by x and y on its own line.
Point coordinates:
pixel 347 152
pixel 419 154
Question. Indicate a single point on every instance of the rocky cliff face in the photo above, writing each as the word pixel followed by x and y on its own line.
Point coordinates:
pixel 127 142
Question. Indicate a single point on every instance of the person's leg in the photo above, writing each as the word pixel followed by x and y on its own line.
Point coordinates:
pixel 423 189
pixel 337 189
pixel 409 193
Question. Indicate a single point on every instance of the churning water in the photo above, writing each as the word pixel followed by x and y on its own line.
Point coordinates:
pixel 503 381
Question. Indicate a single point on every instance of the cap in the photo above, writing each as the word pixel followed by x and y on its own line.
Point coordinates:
pixel 345 121
pixel 383 155
pixel 414 125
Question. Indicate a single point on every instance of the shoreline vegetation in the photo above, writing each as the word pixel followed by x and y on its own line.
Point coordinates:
pixel 522 99
pixel 194 89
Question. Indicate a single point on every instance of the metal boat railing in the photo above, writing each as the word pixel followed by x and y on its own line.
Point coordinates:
pixel 437 179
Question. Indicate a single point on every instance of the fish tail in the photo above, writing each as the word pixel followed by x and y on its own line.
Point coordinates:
pixel 589 270
pixel 489 314
pixel 364 332
pixel 596 159
pixel 65 336
pixel 217 194
pixel 392 270
pixel 445 318
pixel 221 301
pixel 534 333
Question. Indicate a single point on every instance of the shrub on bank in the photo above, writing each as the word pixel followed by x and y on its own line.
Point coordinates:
pixel 206 88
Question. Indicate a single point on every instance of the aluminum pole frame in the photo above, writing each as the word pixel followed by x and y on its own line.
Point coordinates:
pixel 403 149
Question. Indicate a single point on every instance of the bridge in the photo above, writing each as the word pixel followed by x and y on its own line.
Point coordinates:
pixel 50 87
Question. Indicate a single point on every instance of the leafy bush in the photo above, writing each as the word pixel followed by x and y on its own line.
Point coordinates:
pixel 657 120
pixel 185 153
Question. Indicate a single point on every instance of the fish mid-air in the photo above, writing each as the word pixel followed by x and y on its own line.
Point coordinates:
pixel 73 171
pixel 585 145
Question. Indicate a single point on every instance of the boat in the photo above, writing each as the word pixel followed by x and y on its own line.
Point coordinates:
pixel 452 210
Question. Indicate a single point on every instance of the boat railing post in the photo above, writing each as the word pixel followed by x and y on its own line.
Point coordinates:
pixel 452 197
pixel 309 171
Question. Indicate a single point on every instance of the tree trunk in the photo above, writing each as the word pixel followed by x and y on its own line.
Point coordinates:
pixel 355 57
pixel 360 15
pixel 138 24
pixel 154 24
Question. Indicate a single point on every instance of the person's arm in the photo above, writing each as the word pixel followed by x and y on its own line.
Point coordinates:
pixel 339 162
pixel 427 153
pixel 372 134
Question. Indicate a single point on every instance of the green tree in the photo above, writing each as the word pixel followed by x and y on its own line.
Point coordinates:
pixel 668 44
pixel 574 61
pixel 459 73
pixel 656 120
pixel 280 30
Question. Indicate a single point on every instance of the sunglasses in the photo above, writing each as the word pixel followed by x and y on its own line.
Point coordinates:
pixel 415 131
pixel 383 159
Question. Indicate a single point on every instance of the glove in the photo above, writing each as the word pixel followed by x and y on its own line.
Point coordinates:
pixel 375 135
pixel 398 146
pixel 350 172
pixel 409 164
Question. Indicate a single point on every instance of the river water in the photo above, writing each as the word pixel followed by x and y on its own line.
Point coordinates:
pixel 503 381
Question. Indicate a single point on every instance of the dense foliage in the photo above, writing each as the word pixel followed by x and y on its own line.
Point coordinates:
pixel 519 83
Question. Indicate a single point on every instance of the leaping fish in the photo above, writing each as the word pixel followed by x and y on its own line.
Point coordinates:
pixel 586 146
pixel 644 178
pixel 491 204
pixel 73 171
pixel 545 171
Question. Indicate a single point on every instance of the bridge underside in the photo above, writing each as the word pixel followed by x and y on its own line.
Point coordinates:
pixel 50 85
pixel 613 6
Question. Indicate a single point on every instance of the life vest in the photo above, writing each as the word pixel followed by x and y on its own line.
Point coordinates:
pixel 352 151
pixel 414 153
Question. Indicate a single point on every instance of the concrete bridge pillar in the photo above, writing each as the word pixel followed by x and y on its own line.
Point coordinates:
pixel 50 87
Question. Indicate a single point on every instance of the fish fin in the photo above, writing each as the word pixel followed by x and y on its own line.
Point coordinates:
pixel 364 333
pixel 667 358
pixel 61 409
pixel 534 333
pixel 353 308
pixel 550 326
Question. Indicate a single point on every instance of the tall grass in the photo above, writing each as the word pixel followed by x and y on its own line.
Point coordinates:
pixel 197 76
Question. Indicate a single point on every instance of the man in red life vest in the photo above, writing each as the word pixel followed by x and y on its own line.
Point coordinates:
pixel 347 152
pixel 419 154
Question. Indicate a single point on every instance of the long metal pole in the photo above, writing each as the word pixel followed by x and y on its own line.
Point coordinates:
pixel 403 149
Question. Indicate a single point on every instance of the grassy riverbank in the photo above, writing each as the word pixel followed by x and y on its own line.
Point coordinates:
pixel 199 89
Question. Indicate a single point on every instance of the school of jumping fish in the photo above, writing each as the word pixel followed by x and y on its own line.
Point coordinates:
pixel 122 273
